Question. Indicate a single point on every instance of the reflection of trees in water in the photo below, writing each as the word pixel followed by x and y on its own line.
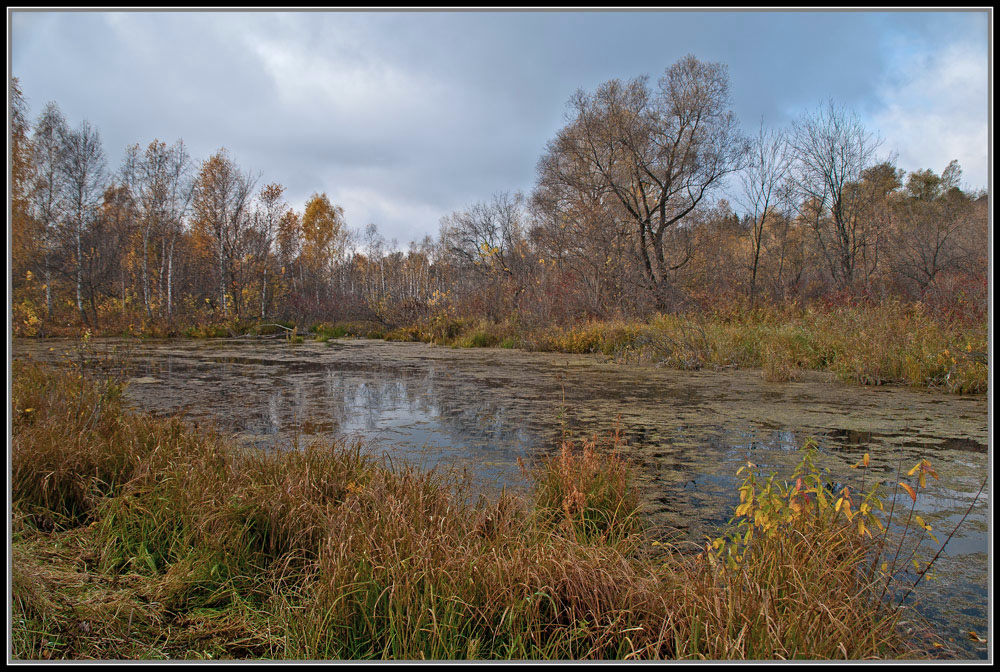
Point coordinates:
pixel 466 417
pixel 274 412
pixel 415 404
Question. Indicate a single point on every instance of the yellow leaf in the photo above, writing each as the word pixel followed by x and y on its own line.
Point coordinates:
pixel 912 493
pixel 866 459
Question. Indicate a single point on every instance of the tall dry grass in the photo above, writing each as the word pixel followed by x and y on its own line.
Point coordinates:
pixel 888 343
pixel 137 537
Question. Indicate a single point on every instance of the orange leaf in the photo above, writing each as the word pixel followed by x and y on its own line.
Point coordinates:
pixel 913 494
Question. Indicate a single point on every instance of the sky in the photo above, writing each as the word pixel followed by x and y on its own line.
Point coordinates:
pixel 404 117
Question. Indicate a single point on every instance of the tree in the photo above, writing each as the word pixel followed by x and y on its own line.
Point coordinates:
pixel 47 200
pixel 160 185
pixel 104 246
pixel 322 240
pixel 579 230
pixel 763 190
pixel 115 239
pixel 24 234
pixel 659 152
pixel 875 194
pixel 82 169
pixel 221 199
pixel 488 241
pixel 832 151
pixel 935 223
pixel 267 221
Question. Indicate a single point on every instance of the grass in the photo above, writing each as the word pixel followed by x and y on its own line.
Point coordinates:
pixel 324 331
pixel 870 344
pixel 136 537
pixel 887 343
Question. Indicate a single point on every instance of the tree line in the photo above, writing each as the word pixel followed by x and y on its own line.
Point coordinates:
pixel 649 199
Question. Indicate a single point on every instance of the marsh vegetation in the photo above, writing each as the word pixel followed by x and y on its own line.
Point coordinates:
pixel 147 537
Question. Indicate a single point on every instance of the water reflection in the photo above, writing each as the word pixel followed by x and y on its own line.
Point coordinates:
pixel 687 432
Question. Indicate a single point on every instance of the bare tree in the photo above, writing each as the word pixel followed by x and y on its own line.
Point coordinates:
pixel 832 150
pixel 581 231
pixel 488 240
pixel 658 151
pixel 105 243
pixel 764 193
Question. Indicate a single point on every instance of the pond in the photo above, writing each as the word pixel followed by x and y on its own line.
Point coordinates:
pixel 687 431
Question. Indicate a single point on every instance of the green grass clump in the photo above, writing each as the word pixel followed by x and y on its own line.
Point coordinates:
pixel 324 332
pixel 144 538
pixel 410 334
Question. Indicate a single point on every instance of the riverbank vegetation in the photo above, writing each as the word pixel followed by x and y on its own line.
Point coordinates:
pixel 136 537
pixel 890 343
pixel 656 229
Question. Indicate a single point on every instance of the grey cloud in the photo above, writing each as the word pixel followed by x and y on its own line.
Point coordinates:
pixel 424 112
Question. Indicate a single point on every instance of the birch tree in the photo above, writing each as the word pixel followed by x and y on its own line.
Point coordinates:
pixel 47 202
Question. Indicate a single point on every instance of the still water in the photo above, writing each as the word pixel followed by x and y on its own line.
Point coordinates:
pixel 687 432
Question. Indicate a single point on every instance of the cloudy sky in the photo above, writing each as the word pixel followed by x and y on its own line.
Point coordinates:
pixel 402 118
